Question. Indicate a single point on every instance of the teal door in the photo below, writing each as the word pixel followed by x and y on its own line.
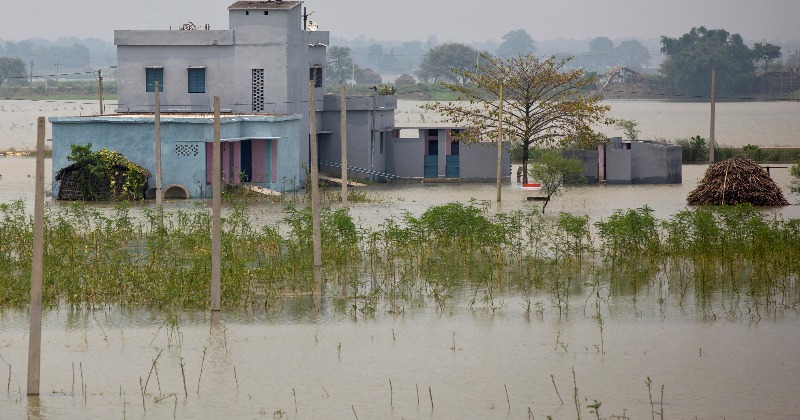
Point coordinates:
pixel 451 167
pixel 431 166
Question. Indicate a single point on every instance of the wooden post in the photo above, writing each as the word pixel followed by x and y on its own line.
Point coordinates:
pixel 157 117
pixel 100 88
pixel 500 144
pixel 216 204
pixel 344 147
pixel 315 213
pixel 712 143
pixel 37 268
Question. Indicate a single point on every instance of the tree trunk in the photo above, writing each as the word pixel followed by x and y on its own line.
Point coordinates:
pixel 524 163
pixel 546 202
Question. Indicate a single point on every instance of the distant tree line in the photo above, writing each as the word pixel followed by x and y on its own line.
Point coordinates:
pixel 684 71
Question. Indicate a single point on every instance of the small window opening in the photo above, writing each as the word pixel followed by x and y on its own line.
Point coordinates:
pixel 315 74
pixel 266 12
pixel 247 12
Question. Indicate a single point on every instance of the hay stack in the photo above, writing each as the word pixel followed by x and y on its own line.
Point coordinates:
pixel 737 181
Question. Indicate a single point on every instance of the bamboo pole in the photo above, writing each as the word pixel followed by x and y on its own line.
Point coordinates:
pixel 37 268
pixel 500 145
pixel 216 204
pixel 344 147
pixel 712 144
pixel 100 88
pixel 315 212
pixel 157 117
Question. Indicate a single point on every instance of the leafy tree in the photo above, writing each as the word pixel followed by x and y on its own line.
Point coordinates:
pixel 694 149
pixel 375 54
pixel 340 64
pixel 516 42
pixel 408 56
pixel 543 103
pixel 766 52
pixel 11 67
pixel 553 171
pixel 793 60
pixel 601 49
pixel 448 62
pixel 629 126
pixel 405 79
pixel 631 54
pixel 369 76
pixel 794 171
pixel 691 58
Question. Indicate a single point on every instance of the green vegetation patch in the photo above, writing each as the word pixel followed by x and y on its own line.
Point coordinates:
pixel 101 175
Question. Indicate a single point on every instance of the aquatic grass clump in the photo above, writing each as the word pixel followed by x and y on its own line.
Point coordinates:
pixel 339 233
pixel 452 252
pixel 629 234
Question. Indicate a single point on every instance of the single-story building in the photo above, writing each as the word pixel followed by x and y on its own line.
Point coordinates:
pixel 632 162
pixel 256 148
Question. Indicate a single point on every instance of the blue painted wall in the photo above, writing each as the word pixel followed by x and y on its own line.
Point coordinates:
pixel 183 139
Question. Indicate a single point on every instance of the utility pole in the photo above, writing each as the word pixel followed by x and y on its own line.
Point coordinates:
pixel 37 270
pixel 500 144
pixel 712 141
pixel 100 89
pixel 315 211
pixel 157 118
pixel 30 82
pixel 58 73
pixel 343 107
pixel 216 224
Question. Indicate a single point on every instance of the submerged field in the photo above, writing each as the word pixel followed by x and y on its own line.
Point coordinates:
pixel 429 305
pixel 456 311
pixel 93 259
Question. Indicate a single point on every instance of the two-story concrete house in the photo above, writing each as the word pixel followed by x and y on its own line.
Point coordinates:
pixel 261 68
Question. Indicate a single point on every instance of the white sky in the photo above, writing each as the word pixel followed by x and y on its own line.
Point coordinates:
pixel 448 20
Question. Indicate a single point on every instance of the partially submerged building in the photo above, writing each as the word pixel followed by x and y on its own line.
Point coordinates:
pixel 436 153
pixel 262 68
pixel 631 162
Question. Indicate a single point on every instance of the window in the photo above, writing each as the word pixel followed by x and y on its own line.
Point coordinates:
pixel 197 80
pixel 454 148
pixel 153 75
pixel 258 90
pixel 315 74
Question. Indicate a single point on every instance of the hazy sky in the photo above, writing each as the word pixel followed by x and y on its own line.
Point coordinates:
pixel 461 20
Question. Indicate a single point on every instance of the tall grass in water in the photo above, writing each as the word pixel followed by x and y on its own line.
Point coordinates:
pixel 449 252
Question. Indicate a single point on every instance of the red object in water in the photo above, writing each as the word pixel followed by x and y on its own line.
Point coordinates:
pixel 532 186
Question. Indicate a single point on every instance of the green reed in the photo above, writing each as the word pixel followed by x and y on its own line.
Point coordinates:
pixel 451 252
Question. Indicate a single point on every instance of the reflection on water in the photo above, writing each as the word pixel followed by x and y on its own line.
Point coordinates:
pixel 322 355
pixel 309 361
pixel 392 200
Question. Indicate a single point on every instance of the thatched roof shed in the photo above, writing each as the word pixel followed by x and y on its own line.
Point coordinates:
pixel 737 181
pixel 79 183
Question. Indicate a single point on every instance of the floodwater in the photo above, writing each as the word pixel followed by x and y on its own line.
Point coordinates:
pixel 392 200
pixel 422 363
pixel 765 124
pixel 321 358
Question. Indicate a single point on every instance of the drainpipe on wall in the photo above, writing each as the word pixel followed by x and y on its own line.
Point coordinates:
pixel 372 132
